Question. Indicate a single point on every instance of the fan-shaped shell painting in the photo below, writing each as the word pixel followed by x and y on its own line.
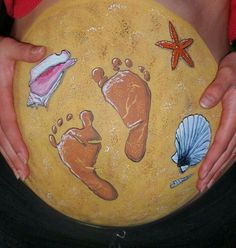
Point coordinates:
pixel 193 138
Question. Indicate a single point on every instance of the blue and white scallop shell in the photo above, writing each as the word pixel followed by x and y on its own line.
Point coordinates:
pixel 193 138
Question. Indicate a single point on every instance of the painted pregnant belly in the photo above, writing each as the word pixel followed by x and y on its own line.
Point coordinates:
pixel 111 116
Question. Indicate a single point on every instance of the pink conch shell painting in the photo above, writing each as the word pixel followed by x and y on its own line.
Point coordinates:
pixel 47 76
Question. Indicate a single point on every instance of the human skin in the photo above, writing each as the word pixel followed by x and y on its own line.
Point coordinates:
pixel 203 15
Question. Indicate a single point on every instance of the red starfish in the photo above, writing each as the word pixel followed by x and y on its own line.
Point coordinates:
pixel 178 47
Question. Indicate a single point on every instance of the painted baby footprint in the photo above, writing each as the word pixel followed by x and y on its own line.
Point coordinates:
pixel 78 150
pixel 130 96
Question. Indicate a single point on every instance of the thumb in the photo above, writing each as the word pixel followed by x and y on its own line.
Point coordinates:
pixel 217 89
pixel 15 50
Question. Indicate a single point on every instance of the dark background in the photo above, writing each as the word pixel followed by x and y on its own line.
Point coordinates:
pixel 27 222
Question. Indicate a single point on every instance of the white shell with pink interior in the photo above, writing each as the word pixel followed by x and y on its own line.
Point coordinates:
pixel 47 76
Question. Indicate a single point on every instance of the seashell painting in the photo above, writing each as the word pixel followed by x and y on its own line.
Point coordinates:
pixel 193 138
pixel 179 181
pixel 47 76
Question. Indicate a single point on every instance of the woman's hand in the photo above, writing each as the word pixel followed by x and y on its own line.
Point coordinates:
pixel 223 150
pixel 12 145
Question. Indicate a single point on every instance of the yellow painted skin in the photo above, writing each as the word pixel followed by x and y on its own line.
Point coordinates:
pixel 95 32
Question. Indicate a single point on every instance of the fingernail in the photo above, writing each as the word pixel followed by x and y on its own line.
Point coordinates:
pixel 204 174
pixel 205 102
pixel 16 174
pixel 22 177
pixel 22 158
pixel 19 175
pixel 202 189
pixel 36 50
pixel 210 183
pixel 24 162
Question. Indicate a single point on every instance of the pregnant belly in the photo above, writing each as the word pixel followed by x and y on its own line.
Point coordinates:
pixel 121 139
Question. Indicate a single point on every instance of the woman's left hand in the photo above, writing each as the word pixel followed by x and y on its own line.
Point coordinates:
pixel 222 152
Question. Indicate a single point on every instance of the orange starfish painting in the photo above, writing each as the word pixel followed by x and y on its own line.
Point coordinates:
pixel 178 47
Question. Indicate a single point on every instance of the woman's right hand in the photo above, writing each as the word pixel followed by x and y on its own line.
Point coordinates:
pixel 12 145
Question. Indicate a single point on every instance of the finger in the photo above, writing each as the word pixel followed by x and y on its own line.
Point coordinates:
pixel 223 135
pixel 227 156
pixel 15 50
pixel 9 125
pixel 219 166
pixel 20 170
pixel 221 160
pixel 202 185
pixel 219 173
pixel 214 93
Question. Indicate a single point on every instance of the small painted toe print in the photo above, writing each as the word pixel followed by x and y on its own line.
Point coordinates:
pixel 178 47
pixel 129 94
pixel 47 76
